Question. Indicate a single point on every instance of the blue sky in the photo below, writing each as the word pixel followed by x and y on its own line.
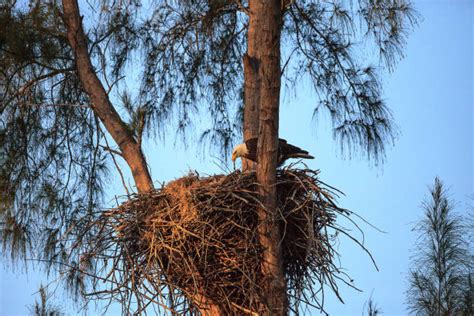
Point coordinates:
pixel 430 94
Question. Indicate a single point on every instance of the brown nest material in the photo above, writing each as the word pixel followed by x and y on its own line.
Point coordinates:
pixel 197 236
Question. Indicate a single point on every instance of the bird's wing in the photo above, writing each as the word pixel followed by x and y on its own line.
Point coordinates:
pixel 285 150
pixel 251 144
pixel 288 150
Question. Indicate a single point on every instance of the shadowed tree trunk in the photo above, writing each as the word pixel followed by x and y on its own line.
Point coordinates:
pixel 251 63
pixel 262 70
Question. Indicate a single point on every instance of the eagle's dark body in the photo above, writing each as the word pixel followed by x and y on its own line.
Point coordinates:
pixel 285 151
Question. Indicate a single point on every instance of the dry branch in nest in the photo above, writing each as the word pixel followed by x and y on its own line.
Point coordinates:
pixel 196 238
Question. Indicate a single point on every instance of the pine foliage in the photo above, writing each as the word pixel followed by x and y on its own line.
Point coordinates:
pixel 44 306
pixel 52 167
pixel 440 282
pixel 186 57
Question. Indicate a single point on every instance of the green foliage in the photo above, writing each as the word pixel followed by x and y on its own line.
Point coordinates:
pixel 441 277
pixel 191 57
pixel 194 61
pixel 194 52
pixel 52 167
pixel 187 56
pixel 372 308
pixel 325 36
pixel 190 54
pixel 44 307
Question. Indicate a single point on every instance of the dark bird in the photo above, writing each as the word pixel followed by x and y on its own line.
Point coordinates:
pixel 248 150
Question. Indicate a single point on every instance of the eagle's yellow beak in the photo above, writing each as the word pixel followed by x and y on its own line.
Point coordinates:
pixel 234 156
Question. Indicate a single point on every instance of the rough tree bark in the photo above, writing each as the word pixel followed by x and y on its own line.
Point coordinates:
pixel 130 149
pixel 251 63
pixel 101 105
pixel 262 67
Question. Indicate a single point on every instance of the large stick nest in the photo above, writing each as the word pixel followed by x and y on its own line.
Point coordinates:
pixel 197 238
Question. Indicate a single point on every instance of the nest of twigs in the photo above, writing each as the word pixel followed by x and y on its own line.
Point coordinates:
pixel 196 238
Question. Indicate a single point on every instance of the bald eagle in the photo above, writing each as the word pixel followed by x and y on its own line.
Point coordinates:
pixel 248 150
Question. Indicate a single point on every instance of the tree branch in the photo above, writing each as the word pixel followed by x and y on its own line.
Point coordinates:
pixel 101 104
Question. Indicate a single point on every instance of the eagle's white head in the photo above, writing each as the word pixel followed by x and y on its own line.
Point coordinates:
pixel 239 151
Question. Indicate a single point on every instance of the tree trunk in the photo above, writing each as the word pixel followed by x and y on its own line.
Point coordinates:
pixel 103 108
pixel 251 90
pixel 101 104
pixel 265 25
